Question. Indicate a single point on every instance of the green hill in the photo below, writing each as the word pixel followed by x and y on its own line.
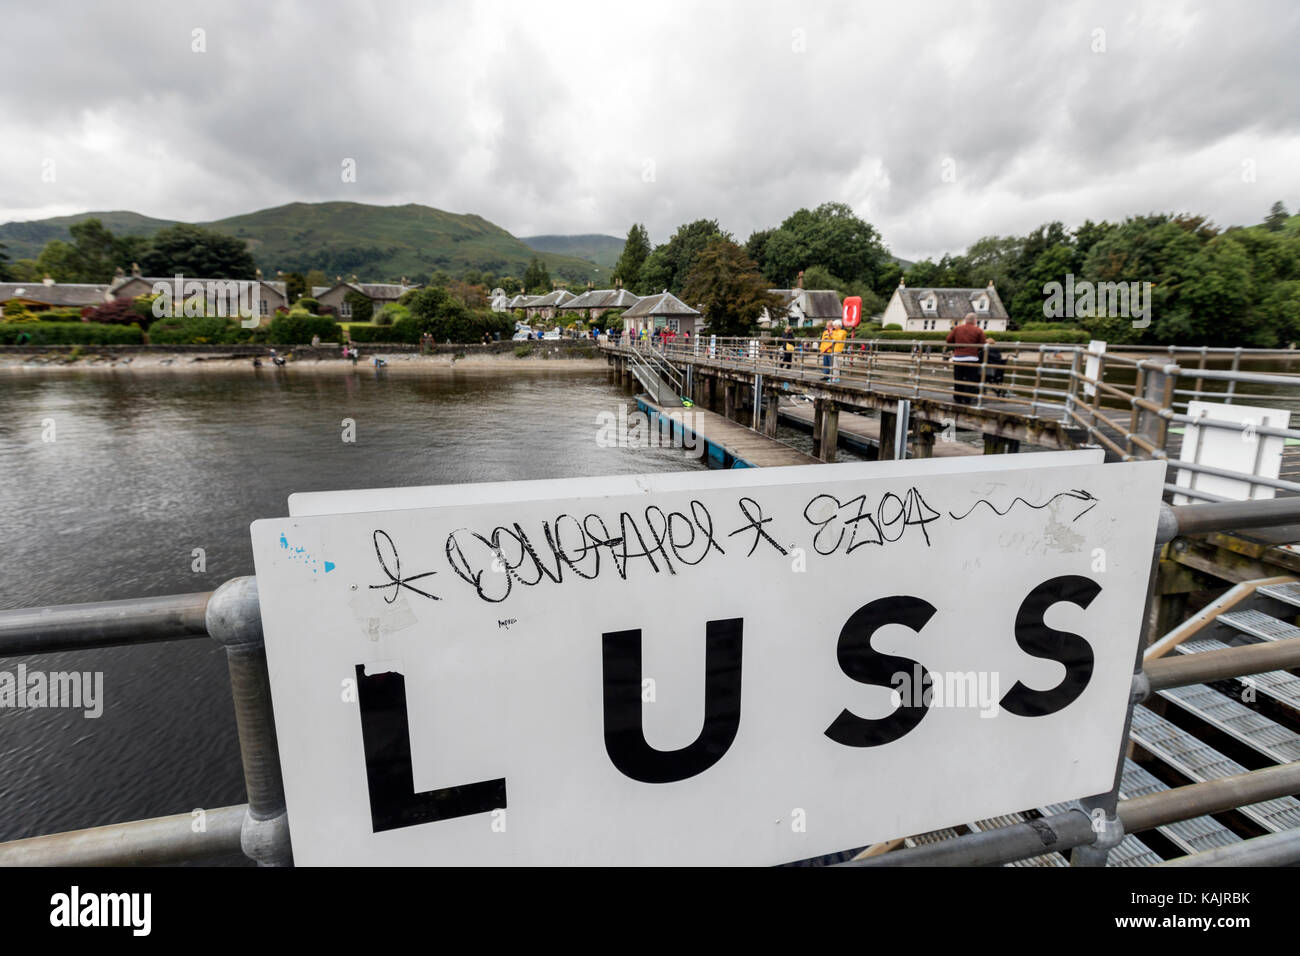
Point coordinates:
pixel 602 250
pixel 387 242
pixel 25 240
pixel 377 243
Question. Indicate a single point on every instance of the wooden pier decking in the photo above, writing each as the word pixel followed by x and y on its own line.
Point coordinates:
pixel 743 444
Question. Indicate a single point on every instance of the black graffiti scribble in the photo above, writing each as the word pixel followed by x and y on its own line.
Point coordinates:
pixel 395 579
pixel 1078 493
pixel 756 522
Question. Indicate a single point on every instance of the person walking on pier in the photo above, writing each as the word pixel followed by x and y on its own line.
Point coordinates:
pixel 967 338
pixel 787 347
pixel 827 343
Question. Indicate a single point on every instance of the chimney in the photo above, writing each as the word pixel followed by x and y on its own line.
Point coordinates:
pixel 47 281
pixel 135 270
pixel 990 283
pixel 403 282
pixel 258 274
pixel 798 283
pixel 902 283
pixel 618 283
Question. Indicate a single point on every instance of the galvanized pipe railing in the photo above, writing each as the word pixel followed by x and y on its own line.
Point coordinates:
pixel 231 615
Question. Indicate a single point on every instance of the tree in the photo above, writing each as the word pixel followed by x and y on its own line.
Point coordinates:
pixel 4 268
pixel 315 280
pixel 636 248
pixel 537 281
pixel 668 265
pixel 295 286
pixel 726 284
pixel 830 236
pixel 193 251
pixel 1276 218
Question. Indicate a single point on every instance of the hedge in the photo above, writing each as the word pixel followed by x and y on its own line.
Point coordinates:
pixel 70 333
pixel 199 330
pixel 297 328
pixel 364 334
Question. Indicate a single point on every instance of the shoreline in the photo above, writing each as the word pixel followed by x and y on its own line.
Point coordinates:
pixel 189 362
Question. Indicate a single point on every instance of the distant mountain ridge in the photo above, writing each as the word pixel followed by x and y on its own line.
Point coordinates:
pixel 600 249
pixel 341 238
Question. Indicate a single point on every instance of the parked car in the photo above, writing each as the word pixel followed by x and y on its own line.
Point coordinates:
pixel 523 335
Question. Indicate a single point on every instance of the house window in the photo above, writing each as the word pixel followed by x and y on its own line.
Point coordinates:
pixel 263 307
pixel 928 304
pixel 345 309
pixel 672 325
pixel 981 304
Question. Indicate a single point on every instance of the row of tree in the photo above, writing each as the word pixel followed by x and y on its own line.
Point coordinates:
pixel 1211 286
pixel 94 254
pixel 1207 285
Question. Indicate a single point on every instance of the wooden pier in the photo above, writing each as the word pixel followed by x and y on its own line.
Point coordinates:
pixel 728 443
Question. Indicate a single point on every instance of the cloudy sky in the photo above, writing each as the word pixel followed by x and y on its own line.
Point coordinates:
pixel 937 122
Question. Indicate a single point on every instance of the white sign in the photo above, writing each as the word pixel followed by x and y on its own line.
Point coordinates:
pixel 733 675
pixel 433 496
pixel 1092 366
pixel 1240 449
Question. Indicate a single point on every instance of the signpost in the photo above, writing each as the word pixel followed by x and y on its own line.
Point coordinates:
pixel 737 673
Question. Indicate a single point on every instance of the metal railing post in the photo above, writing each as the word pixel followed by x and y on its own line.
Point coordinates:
pixel 1106 823
pixel 234 620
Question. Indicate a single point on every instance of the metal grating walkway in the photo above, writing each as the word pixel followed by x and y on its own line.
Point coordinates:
pixel 1281 686
pixel 1006 820
pixel 1286 593
pixel 1190 836
pixel 1277 743
pixel 1199 762
pixel 1260 625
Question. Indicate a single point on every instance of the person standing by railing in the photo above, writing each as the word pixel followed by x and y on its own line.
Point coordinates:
pixel 839 335
pixel 967 339
pixel 787 347
pixel 827 343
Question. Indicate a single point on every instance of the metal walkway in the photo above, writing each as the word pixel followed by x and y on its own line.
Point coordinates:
pixel 1199 762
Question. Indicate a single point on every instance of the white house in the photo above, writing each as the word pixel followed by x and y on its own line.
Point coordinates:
pixel 938 310
pixel 804 307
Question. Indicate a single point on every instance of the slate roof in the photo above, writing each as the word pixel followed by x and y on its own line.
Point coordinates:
pixel 950 303
pixel 558 297
pixel 58 294
pixel 665 303
pixel 518 302
pixel 822 304
pixel 603 299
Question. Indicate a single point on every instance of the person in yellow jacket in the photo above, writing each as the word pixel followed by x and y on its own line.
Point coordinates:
pixel 826 348
pixel 838 336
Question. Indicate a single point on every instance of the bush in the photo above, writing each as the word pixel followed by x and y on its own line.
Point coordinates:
pixel 70 333
pixel 892 327
pixel 308 304
pixel 198 330
pixel 1062 336
pixel 120 311
pixel 297 328
pixel 523 351
pixel 15 311
pixel 391 313
pixel 59 315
